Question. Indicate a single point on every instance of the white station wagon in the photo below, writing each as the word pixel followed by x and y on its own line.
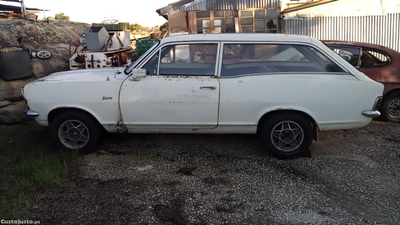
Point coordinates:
pixel 286 88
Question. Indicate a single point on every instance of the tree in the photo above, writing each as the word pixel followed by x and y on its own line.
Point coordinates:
pixel 61 16
pixel 164 28
pixel 135 27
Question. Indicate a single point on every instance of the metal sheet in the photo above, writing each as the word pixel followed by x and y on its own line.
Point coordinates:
pixel 380 30
pixel 231 5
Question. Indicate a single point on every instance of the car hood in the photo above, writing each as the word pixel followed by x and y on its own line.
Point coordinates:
pixel 103 74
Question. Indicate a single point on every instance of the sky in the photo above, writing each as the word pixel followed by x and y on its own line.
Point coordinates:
pixel 142 12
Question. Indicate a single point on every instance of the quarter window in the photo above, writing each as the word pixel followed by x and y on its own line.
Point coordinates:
pixel 248 59
pixel 371 58
pixel 189 60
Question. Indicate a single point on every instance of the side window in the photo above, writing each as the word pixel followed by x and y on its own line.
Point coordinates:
pixel 188 60
pixel 371 58
pixel 247 59
pixel 352 53
pixel 151 65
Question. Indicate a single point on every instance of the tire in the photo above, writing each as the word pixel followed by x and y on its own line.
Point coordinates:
pixel 43 54
pixel 286 135
pixel 81 132
pixel 390 107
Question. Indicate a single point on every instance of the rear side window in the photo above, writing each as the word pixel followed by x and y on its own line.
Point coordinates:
pixel 352 53
pixel 248 59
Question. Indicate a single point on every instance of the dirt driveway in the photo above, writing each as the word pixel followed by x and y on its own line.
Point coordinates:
pixel 350 177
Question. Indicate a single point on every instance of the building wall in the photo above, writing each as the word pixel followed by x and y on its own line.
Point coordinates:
pixel 259 20
pixel 347 8
pixel 177 23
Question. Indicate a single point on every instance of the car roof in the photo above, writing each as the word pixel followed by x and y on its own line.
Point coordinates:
pixel 237 37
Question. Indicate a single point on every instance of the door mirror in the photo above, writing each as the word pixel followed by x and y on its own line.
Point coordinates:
pixel 137 73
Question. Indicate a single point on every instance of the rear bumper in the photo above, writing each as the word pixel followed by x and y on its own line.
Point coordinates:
pixel 371 113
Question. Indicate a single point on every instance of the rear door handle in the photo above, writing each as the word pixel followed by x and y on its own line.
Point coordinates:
pixel 209 87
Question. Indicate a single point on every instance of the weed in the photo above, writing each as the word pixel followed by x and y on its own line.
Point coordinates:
pixel 35 165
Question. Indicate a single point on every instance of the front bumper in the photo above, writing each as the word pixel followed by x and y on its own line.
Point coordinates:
pixel 371 113
pixel 31 113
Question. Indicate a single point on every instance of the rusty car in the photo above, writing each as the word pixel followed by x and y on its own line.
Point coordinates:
pixel 381 64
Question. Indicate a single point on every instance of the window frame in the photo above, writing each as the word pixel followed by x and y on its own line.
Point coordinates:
pixel 212 19
pixel 160 47
pixel 265 19
pixel 321 51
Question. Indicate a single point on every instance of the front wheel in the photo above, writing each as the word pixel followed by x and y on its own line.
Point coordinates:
pixel 286 135
pixel 390 108
pixel 75 131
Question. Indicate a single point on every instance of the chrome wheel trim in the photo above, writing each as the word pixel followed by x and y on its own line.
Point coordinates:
pixel 393 108
pixel 287 136
pixel 73 134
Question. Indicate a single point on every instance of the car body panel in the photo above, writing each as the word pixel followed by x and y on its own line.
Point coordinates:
pixel 244 100
pixel 94 91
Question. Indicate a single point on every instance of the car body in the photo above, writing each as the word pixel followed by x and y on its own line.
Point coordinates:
pixel 381 64
pixel 284 87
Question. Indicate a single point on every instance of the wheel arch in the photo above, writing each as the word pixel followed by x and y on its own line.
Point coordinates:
pixel 55 112
pixel 396 90
pixel 306 115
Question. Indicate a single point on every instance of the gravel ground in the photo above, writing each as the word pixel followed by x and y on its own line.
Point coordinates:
pixel 349 177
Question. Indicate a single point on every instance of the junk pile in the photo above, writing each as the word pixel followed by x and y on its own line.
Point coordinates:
pixel 21 64
pixel 103 45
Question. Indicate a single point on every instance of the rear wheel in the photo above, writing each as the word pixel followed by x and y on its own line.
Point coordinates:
pixel 286 134
pixel 390 108
pixel 75 131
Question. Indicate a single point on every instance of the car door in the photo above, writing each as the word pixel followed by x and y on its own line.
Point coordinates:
pixel 180 91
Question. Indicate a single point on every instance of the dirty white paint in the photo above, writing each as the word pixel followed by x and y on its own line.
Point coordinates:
pixel 172 104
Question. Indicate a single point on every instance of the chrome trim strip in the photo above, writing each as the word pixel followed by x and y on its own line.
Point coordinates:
pixel 31 113
pixel 371 113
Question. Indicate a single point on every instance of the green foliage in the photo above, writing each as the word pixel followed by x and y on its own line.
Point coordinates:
pixel 61 16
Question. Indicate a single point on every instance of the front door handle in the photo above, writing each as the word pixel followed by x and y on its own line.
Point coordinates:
pixel 210 87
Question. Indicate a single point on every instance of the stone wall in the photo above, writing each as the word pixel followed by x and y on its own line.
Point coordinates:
pixel 55 37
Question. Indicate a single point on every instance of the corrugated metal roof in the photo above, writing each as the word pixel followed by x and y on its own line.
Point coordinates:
pixel 231 5
pixel 195 6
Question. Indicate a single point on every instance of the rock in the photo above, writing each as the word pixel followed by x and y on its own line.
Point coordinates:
pixel 11 90
pixel 13 113
pixel 4 103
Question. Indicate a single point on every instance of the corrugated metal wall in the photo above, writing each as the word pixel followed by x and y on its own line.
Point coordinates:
pixel 232 4
pixel 382 30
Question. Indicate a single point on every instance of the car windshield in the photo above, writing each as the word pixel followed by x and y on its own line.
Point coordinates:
pixel 129 68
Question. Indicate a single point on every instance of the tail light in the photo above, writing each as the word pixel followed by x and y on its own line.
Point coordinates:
pixel 378 103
